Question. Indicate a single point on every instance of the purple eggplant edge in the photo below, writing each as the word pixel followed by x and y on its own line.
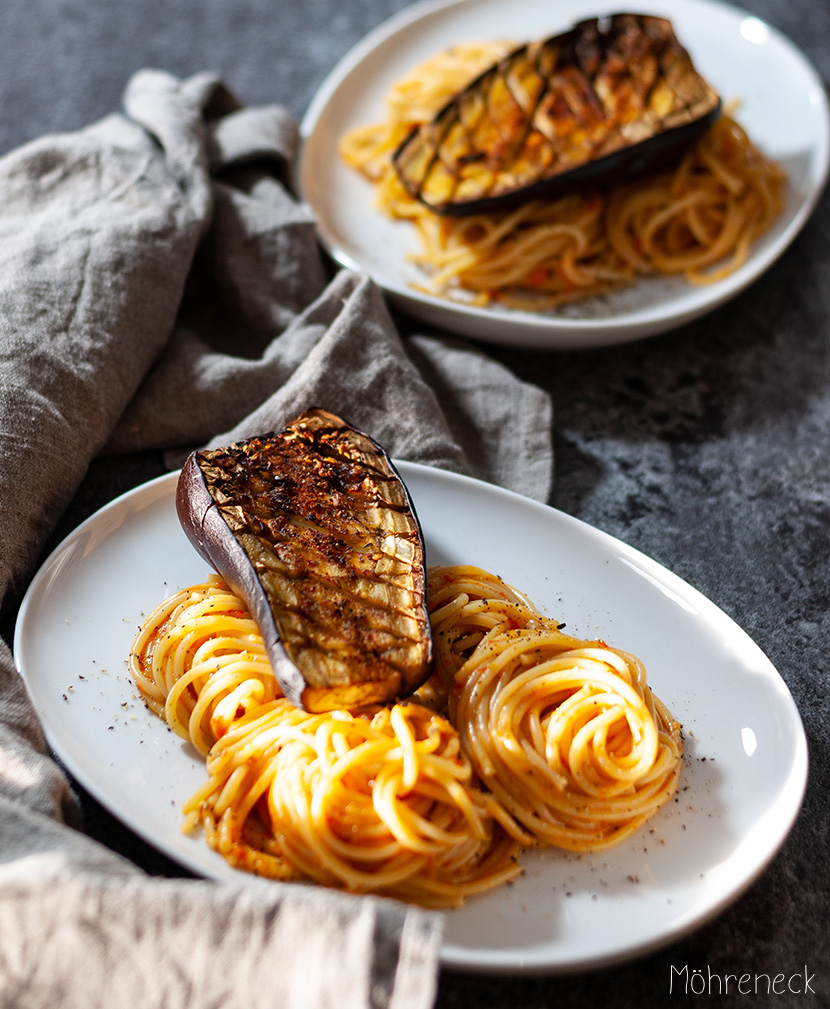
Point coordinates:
pixel 202 521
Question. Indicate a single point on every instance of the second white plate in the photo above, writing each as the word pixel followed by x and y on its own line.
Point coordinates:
pixel 745 759
pixel 783 105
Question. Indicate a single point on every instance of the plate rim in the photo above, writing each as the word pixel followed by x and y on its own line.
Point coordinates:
pixel 537 331
pixel 488 961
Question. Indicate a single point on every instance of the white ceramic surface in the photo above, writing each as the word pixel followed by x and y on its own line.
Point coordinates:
pixel 783 106
pixel 745 761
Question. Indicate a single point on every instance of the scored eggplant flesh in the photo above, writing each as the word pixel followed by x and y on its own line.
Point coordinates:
pixel 314 529
pixel 606 101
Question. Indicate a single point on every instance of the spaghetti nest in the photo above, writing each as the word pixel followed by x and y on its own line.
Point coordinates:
pixel 523 736
pixel 200 664
pixel 698 219
pixel 565 733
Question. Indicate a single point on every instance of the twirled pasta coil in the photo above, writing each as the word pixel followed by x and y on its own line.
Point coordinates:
pixel 383 803
pixel 199 662
pixel 565 733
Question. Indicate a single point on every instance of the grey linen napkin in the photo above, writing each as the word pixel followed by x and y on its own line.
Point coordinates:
pixel 161 289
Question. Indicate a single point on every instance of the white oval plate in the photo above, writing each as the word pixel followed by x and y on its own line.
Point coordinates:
pixel 746 756
pixel 783 106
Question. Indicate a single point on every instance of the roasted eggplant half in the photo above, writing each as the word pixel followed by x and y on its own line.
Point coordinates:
pixel 314 529
pixel 610 99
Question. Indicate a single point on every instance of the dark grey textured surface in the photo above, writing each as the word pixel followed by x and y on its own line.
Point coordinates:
pixel 707 448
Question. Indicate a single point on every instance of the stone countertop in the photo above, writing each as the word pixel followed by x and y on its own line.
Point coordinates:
pixel 707 449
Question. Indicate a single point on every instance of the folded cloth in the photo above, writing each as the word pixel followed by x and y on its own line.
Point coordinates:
pixel 160 289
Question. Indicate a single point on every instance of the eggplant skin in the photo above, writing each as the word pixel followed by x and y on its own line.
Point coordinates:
pixel 608 100
pixel 315 531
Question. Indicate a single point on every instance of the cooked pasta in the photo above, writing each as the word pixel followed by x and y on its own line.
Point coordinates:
pixel 199 662
pixel 382 803
pixel 379 800
pixel 698 219
pixel 522 737
pixel 565 733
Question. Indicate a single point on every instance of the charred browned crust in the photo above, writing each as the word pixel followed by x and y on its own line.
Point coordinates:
pixel 314 529
pixel 608 100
